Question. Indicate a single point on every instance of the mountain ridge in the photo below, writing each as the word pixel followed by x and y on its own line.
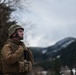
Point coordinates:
pixel 51 51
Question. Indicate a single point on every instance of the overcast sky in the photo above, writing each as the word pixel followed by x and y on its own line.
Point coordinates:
pixel 53 20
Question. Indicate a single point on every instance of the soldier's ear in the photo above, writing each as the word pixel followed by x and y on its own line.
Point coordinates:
pixel 13 35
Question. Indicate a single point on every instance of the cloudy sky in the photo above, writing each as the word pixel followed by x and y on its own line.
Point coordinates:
pixel 53 20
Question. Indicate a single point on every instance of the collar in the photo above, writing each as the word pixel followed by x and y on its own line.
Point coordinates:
pixel 15 41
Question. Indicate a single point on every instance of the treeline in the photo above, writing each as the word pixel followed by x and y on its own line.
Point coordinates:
pixel 68 55
pixel 5 23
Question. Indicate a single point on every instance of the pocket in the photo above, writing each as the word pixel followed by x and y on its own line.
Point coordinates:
pixel 21 67
pixel 28 66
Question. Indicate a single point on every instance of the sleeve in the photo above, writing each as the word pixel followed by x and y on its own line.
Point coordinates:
pixel 8 56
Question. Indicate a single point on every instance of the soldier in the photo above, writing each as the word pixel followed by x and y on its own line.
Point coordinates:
pixel 15 57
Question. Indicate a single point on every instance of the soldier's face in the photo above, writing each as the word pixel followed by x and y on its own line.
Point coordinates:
pixel 20 33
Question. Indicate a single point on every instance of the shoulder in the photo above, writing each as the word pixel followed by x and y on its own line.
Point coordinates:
pixel 9 42
pixel 5 48
pixel 6 45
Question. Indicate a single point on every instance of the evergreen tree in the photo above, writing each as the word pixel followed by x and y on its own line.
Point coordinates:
pixel 56 65
pixel 5 22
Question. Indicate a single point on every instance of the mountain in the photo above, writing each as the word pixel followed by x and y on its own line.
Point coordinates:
pixel 68 55
pixel 52 50
pixel 38 53
pixel 41 53
pixel 62 52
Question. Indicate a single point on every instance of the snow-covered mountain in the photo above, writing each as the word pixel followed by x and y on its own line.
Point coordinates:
pixel 41 53
pixel 59 45
pixel 66 41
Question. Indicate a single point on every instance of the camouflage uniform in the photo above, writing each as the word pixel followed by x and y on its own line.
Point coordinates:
pixel 16 58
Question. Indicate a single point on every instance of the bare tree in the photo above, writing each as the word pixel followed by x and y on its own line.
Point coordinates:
pixel 15 3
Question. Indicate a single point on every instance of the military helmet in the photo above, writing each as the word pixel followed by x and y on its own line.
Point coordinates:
pixel 13 28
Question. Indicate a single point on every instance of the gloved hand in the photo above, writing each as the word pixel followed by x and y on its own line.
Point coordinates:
pixel 28 66
pixel 19 52
pixel 21 67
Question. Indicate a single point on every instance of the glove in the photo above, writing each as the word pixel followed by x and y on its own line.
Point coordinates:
pixel 19 52
pixel 21 67
pixel 28 66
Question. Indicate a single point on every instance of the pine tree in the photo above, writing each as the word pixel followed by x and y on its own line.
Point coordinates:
pixel 5 22
pixel 56 65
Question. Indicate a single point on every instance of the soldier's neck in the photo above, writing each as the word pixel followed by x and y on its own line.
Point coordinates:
pixel 16 39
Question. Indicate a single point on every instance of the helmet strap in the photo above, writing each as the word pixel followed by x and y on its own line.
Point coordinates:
pixel 17 36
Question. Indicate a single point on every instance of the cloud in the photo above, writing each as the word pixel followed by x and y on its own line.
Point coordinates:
pixel 54 19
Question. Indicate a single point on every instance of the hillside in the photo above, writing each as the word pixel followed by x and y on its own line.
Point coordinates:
pixel 41 53
pixel 64 50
